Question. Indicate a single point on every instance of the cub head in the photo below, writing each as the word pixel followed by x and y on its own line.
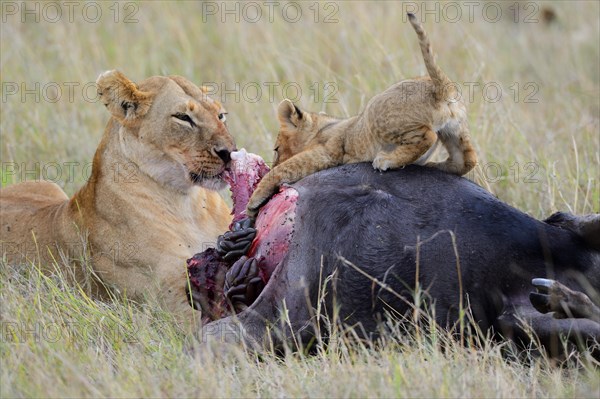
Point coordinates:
pixel 169 128
pixel 296 130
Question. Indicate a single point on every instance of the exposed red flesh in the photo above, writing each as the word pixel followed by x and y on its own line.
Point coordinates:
pixel 244 174
pixel 203 269
pixel 275 220
pixel 208 260
pixel 274 225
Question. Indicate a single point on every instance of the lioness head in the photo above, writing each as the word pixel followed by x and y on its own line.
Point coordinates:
pixel 296 129
pixel 169 128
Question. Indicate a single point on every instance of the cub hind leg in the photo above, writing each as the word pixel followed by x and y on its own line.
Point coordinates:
pixel 461 153
pixel 409 147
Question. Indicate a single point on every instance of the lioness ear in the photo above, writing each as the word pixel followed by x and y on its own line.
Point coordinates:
pixel 586 226
pixel 289 114
pixel 122 97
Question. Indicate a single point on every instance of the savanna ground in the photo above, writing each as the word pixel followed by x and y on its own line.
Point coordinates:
pixel 534 100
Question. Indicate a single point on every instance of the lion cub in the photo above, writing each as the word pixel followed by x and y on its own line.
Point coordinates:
pixel 396 128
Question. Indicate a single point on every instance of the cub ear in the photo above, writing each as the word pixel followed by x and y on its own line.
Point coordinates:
pixel 122 97
pixel 289 114
pixel 586 226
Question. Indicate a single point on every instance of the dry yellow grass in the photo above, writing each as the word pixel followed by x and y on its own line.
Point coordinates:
pixel 538 156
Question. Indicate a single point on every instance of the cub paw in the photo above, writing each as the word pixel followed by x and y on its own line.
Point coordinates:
pixel 252 212
pixel 256 202
pixel 382 163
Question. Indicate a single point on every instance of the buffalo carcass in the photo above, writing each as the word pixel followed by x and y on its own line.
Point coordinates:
pixel 375 234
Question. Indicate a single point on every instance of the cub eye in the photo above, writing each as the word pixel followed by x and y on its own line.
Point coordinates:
pixel 185 118
pixel 276 149
pixel 222 116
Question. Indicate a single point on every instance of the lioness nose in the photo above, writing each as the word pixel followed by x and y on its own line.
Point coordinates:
pixel 224 154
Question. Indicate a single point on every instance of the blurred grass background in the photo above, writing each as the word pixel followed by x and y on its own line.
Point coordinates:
pixel 538 145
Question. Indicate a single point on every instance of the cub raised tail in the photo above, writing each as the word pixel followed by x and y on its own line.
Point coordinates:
pixel 445 89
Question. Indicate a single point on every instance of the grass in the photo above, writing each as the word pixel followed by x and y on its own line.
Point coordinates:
pixel 59 343
pixel 537 156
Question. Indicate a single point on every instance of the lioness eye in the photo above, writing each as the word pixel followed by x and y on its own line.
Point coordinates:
pixel 222 116
pixel 185 118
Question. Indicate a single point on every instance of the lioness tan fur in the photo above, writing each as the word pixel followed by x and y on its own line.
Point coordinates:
pixel 396 128
pixel 149 204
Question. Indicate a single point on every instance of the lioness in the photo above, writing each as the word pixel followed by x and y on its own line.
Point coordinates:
pixel 396 128
pixel 149 204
